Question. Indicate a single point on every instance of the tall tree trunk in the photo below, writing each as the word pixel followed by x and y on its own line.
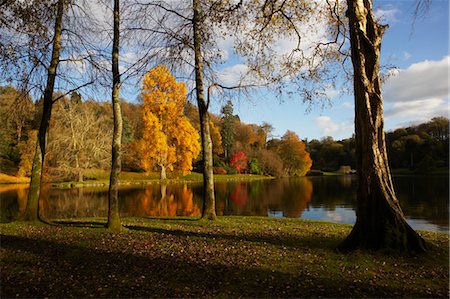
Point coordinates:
pixel 116 163
pixel 209 203
pixel 380 222
pixel 32 213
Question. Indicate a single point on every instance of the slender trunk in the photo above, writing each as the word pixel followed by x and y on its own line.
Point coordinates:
pixel 209 204
pixel 77 167
pixel 113 195
pixel 34 193
pixel 380 222
pixel 163 173
pixel 31 213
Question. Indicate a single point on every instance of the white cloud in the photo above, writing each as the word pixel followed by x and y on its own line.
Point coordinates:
pixel 418 92
pixel 406 55
pixel 422 110
pixel 337 130
pixel 387 14
pixel 347 105
pixel 233 75
pixel 426 79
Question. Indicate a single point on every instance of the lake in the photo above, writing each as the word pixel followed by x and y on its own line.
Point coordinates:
pixel 424 200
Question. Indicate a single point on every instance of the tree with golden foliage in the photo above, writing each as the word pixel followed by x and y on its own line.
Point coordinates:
pixel 216 139
pixel 295 158
pixel 169 141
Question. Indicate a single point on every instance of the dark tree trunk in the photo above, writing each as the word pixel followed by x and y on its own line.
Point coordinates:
pixel 380 223
pixel 209 204
pixel 116 163
pixel 32 212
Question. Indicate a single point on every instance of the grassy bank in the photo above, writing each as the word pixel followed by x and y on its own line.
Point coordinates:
pixel 233 257
pixel 96 177
pixel 100 177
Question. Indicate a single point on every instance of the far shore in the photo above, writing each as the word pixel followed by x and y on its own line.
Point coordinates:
pixel 95 177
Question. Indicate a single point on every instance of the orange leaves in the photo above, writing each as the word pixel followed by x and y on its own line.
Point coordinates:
pixel 169 140
pixel 296 159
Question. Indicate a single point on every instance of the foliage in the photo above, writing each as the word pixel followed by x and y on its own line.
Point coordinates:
pixel 292 150
pixel 239 161
pixel 219 170
pixel 80 136
pixel 270 162
pixel 216 139
pixel 168 139
pixel 27 148
pixel 227 130
pixel 254 167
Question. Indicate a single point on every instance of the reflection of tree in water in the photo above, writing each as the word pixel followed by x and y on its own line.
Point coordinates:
pixel 173 201
pixel 74 203
pixel 333 192
pixel 239 195
pixel 258 197
pixel 13 201
pixel 433 208
pixel 296 197
pixel 291 196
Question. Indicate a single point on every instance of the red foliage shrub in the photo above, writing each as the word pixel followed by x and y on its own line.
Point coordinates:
pixel 239 161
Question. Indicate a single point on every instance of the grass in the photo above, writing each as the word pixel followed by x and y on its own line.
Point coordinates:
pixel 101 177
pixel 233 257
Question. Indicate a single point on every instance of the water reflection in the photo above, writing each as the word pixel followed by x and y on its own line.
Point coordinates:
pixel 13 201
pixel 423 199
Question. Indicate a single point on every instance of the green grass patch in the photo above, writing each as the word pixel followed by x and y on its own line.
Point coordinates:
pixel 101 178
pixel 231 257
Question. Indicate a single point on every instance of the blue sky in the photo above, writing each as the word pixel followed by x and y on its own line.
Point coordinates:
pixel 417 91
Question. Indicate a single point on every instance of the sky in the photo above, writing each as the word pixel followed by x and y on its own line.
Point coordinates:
pixel 415 92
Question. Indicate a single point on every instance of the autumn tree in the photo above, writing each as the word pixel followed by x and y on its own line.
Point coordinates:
pixel 188 32
pixel 169 140
pixel 296 160
pixel 239 161
pixel 16 116
pixel 80 137
pixel 380 222
pixel 216 139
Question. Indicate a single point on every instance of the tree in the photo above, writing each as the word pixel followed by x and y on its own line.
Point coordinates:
pixel 116 153
pixel 216 139
pixel 380 222
pixel 227 129
pixel 239 161
pixel 169 140
pixel 80 137
pixel 296 160
pixel 32 212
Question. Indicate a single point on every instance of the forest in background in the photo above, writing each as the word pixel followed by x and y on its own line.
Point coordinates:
pixel 81 130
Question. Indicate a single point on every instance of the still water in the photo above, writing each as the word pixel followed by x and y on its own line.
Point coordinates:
pixel 424 199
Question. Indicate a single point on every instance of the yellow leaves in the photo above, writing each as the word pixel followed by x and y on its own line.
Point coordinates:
pixel 216 139
pixel 169 140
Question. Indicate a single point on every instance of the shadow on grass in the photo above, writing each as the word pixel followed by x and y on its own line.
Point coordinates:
pixel 42 268
pixel 81 223
pixel 178 218
pixel 318 242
